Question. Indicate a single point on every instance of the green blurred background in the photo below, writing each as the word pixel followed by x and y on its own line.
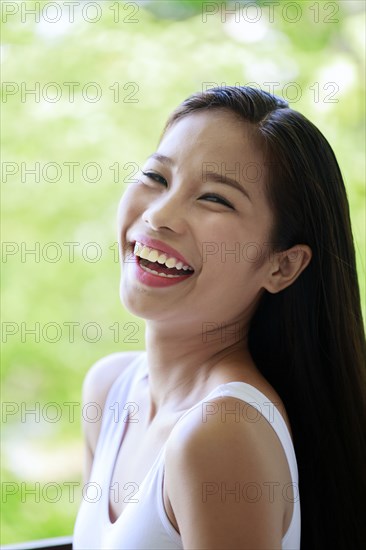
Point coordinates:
pixel 106 75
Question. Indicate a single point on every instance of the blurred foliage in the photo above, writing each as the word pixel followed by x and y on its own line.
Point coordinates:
pixel 145 58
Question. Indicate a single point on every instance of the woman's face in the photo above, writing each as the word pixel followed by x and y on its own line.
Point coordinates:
pixel 188 201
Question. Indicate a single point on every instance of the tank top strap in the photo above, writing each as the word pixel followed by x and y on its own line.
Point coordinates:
pixel 128 377
pixel 254 397
pixel 267 408
pixel 117 405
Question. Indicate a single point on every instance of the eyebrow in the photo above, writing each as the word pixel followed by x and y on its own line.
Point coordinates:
pixel 219 178
pixel 161 158
pixel 213 176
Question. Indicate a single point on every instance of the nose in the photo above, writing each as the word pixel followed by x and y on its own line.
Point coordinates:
pixel 166 213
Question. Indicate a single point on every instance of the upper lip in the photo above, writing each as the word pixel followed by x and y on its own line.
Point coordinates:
pixel 159 245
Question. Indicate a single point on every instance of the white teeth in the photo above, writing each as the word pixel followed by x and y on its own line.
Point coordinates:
pixel 154 255
pixel 171 262
pixel 160 274
pixel 144 253
pixel 162 258
pixel 149 270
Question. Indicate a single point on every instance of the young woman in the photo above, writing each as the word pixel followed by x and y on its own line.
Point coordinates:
pixel 237 250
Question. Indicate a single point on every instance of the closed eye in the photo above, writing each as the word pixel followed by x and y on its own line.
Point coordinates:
pixel 218 199
pixel 212 197
pixel 156 177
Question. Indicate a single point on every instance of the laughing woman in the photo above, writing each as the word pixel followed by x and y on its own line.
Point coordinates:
pixel 242 425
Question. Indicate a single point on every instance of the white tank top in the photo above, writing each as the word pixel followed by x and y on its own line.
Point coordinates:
pixel 144 524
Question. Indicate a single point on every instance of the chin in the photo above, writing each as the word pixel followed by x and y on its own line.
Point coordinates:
pixel 134 301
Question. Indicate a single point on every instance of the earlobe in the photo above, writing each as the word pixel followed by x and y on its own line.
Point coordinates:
pixel 286 266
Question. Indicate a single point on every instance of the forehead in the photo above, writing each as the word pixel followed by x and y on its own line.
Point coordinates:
pixel 215 135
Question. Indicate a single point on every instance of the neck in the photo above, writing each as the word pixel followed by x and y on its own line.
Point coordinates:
pixel 186 364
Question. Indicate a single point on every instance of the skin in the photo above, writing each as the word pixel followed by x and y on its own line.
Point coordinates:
pixel 174 204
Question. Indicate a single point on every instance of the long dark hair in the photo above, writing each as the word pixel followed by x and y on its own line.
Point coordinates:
pixel 308 340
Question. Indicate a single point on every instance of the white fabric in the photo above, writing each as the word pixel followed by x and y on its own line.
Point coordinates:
pixel 144 525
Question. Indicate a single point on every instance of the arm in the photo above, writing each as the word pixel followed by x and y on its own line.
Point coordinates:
pixel 218 477
pixel 96 386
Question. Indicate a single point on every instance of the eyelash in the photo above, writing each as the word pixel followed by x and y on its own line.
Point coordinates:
pixel 160 179
pixel 155 177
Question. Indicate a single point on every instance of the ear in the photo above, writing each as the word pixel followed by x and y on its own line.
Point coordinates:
pixel 286 266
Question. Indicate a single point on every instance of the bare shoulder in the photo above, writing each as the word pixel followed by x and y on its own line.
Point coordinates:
pixel 220 476
pixel 222 421
pixel 97 383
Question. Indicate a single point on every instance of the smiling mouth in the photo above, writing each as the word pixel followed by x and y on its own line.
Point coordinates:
pixel 159 263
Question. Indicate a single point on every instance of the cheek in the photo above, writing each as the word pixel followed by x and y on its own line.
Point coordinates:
pixel 236 246
pixel 128 207
pixel 231 267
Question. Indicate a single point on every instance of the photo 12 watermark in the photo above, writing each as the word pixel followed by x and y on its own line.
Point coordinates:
pixel 53 412
pixel 249 491
pixel 70 171
pixel 70 12
pixel 71 92
pixel 238 411
pixel 292 92
pixel 271 12
pixel 53 492
pixel 53 332
pixel 72 252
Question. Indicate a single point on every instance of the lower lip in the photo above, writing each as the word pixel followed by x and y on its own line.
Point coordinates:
pixel 150 279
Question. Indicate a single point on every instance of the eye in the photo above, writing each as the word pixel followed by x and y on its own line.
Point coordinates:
pixel 218 199
pixel 155 177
